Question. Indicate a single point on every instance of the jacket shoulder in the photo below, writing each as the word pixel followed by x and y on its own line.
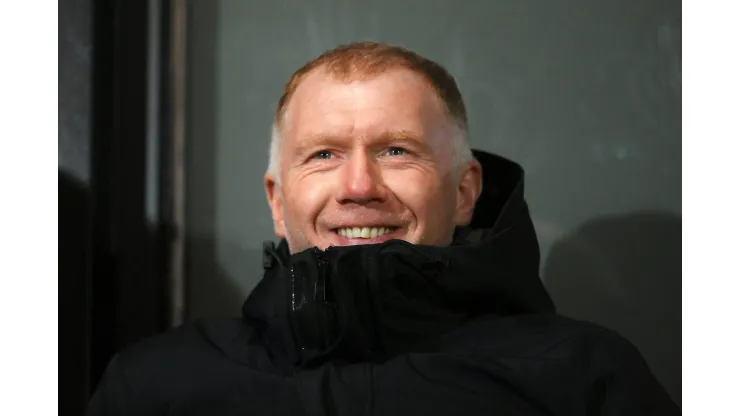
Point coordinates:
pixel 170 367
pixel 204 337
pixel 534 330
pixel 565 357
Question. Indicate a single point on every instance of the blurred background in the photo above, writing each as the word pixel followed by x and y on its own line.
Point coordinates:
pixel 164 121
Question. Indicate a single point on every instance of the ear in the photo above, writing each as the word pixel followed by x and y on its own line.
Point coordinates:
pixel 275 199
pixel 468 190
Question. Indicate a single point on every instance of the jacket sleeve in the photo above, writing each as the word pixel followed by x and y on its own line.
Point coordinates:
pixel 621 382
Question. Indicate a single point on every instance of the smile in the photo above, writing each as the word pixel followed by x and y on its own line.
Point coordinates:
pixel 364 232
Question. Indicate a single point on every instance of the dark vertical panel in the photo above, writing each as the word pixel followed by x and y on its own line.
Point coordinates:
pixel 126 168
pixel 129 257
pixel 103 284
pixel 114 147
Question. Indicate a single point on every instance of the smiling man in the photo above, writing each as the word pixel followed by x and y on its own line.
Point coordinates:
pixel 369 145
pixel 405 282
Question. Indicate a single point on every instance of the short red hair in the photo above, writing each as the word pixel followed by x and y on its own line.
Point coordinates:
pixel 368 59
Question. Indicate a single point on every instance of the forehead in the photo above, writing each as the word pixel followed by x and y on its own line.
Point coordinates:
pixel 397 99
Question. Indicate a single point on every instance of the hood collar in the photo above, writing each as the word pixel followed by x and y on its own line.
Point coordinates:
pixel 371 302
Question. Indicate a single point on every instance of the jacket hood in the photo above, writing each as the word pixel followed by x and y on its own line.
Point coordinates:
pixel 372 302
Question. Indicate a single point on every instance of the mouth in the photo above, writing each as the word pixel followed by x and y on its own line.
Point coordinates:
pixel 364 235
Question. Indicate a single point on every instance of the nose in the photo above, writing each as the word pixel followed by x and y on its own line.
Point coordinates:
pixel 361 181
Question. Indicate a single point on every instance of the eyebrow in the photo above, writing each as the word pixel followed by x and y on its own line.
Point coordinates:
pixel 408 138
pixel 400 135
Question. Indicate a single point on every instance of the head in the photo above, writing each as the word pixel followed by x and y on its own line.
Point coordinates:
pixel 370 144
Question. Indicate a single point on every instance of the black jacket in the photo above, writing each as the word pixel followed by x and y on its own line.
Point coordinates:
pixel 394 329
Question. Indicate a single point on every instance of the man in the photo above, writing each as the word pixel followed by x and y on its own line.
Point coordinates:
pixel 406 280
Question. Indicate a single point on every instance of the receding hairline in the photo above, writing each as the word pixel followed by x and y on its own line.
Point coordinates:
pixel 282 116
pixel 367 60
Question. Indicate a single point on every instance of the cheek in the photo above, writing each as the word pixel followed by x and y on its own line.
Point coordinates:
pixel 307 198
pixel 421 192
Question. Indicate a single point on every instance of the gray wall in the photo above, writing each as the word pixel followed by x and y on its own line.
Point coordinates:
pixel 75 92
pixel 586 95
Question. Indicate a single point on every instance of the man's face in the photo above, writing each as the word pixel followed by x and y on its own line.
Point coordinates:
pixel 367 161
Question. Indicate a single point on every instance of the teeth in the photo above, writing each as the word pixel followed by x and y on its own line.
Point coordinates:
pixel 364 232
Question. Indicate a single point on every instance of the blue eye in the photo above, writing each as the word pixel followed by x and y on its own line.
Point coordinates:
pixel 324 154
pixel 396 151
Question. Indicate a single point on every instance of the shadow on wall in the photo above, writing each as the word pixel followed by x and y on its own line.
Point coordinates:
pixel 624 273
pixel 213 291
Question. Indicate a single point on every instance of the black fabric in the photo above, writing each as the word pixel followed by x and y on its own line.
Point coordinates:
pixel 395 328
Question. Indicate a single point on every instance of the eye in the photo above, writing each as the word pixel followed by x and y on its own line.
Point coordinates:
pixel 396 151
pixel 324 154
